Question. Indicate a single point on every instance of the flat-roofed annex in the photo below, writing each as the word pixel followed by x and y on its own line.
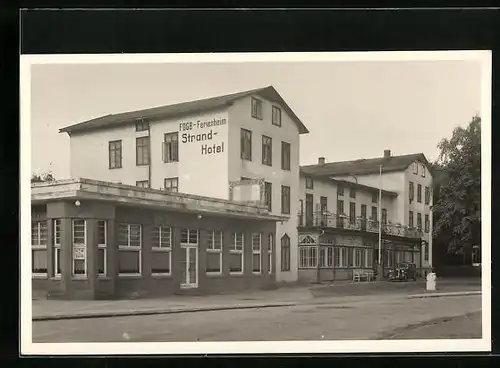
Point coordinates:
pixel 87 189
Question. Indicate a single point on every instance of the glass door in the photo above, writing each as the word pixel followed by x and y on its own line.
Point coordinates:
pixel 189 270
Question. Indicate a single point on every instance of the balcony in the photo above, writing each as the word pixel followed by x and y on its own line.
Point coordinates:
pixel 334 221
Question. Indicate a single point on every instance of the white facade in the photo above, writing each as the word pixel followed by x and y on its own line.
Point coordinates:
pixel 398 208
pixel 208 159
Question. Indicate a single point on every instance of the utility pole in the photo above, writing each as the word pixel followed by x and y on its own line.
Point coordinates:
pixel 380 268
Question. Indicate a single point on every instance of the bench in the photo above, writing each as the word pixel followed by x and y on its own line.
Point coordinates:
pixel 360 275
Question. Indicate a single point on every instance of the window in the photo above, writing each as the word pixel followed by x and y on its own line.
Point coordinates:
pixel 236 254
pixel 79 247
pixel 256 108
pixel 285 200
pixel 57 248
pixel 340 207
pixel 384 216
pixel 214 252
pixel 323 204
pixel 246 145
pixel 346 257
pixel 427 195
pixel 374 213
pixel 39 248
pixel 422 169
pixel 256 253
pixel 419 193
pixel 340 189
pixel 189 236
pixel 141 125
pixel 270 254
pixel 357 258
pixel 161 258
pixel 411 189
pixel 276 116
pixel 415 167
pixel 368 258
pixel 285 253
pixel 142 184
pixel 419 221
pixel 171 184
pixel 309 183
pixel 171 147
pixel 285 156
pixel 375 198
pixel 352 192
pixel 337 257
pixel 410 219
pixel 142 151
pixel 426 252
pixel 102 239
pixel 308 257
pixel 115 154
pixel 268 195
pixel 267 150
pixel 129 249
pixel 427 224
pixel 329 257
pixel 352 212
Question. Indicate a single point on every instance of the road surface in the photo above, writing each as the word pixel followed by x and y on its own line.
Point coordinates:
pixel 372 318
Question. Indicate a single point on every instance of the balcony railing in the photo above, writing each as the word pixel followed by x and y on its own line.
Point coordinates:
pixel 330 220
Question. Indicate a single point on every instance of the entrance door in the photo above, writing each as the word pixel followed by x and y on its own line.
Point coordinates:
pixel 309 210
pixel 189 264
pixel 323 202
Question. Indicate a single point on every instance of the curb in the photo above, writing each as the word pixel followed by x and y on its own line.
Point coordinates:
pixel 438 295
pixel 153 312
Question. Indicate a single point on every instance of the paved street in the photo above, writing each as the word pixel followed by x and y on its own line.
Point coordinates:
pixel 361 317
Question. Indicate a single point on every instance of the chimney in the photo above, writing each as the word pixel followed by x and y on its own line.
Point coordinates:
pixel 387 153
pixel 321 161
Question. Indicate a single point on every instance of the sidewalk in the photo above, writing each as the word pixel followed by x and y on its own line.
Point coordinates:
pixel 44 309
pixel 342 293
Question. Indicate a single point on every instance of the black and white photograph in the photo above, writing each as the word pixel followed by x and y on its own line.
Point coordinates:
pixel 271 202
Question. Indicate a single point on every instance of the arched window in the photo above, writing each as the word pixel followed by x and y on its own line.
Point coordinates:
pixel 285 253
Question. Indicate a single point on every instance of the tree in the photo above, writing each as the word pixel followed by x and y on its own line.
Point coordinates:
pixel 37 178
pixel 457 200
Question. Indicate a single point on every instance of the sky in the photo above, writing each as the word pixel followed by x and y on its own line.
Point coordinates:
pixel 352 109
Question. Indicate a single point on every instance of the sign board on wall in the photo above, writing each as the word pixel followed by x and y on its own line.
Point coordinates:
pixel 203 155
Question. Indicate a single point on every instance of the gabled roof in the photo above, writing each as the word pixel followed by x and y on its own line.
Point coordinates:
pixel 363 166
pixel 184 108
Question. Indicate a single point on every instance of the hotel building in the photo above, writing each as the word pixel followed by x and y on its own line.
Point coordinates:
pixel 339 215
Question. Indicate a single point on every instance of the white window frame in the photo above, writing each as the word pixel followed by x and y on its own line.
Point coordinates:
pixel 103 247
pixel 257 250
pixel 422 167
pixel 368 258
pixel 339 250
pixel 57 247
pixel 39 246
pixel 236 249
pixel 130 248
pixel 308 256
pixel 329 257
pixel 270 254
pixel 357 260
pixel 345 257
pixel 160 247
pixel 82 246
pixel 213 249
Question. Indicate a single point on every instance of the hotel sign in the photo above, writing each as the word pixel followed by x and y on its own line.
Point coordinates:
pixel 202 133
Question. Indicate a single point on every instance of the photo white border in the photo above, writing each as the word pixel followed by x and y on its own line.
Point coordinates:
pixel 265 347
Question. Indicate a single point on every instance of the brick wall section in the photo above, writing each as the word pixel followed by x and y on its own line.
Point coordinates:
pixel 114 286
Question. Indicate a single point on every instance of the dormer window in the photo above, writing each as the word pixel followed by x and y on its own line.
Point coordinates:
pixel 141 125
